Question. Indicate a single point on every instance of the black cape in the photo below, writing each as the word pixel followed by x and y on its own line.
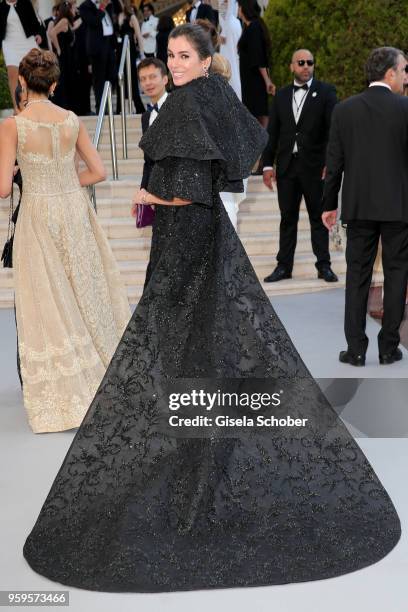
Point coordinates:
pixel 139 507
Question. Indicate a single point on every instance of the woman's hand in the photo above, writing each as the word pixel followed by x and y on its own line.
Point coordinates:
pixel 270 87
pixel 138 198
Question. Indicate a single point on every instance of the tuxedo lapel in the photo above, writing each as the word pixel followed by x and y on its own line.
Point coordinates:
pixel 310 98
pixel 287 94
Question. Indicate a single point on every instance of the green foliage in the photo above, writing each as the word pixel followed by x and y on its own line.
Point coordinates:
pixel 5 100
pixel 340 34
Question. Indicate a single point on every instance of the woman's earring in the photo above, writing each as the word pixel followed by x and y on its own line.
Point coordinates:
pixel 205 70
pixel 51 93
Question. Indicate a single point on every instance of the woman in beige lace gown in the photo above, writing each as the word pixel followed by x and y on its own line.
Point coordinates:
pixel 71 305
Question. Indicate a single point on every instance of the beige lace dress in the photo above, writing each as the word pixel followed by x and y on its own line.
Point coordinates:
pixel 71 304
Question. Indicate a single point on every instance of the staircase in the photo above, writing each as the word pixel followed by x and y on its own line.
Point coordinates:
pixel 258 227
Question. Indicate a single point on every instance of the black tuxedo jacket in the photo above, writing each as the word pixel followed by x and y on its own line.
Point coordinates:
pixel 369 144
pixel 311 132
pixel 92 18
pixel 148 163
pixel 29 20
pixel 204 11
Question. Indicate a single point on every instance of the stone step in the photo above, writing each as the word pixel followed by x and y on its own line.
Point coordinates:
pixel 266 223
pixel 138 248
pixel 132 122
pixel 133 272
pixel 284 287
pixel 133 150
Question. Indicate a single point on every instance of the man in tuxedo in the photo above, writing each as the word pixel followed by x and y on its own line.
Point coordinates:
pixel 200 10
pixel 148 30
pixel 99 19
pixel 369 145
pixel 153 80
pixel 299 124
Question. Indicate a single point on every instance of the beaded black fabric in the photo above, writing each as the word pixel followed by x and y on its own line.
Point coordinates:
pixel 135 509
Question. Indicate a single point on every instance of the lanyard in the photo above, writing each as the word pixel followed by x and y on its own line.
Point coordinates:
pixel 299 106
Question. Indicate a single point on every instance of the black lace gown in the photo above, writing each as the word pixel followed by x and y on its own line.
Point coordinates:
pixel 134 508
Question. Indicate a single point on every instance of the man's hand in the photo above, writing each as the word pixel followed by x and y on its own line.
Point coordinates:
pixel 324 171
pixel 329 218
pixel 269 178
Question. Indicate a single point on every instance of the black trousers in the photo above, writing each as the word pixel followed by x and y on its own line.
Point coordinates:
pixel 103 68
pixel 292 185
pixel 362 245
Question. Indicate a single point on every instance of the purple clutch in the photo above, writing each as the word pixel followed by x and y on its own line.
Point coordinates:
pixel 144 215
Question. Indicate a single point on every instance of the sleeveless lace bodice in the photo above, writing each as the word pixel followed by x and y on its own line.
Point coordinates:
pixel 45 154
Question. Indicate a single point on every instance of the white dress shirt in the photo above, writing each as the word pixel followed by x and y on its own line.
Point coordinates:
pixel 381 84
pixel 107 24
pixel 193 14
pixel 160 102
pixel 149 27
pixel 298 100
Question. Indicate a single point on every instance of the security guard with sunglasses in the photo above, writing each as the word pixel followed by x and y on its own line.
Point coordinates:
pixel 299 124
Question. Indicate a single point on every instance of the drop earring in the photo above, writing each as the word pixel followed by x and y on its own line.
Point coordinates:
pixel 205 70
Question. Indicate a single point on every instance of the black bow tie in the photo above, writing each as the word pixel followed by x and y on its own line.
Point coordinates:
pixel 146 19
pixel 297 87
pixel 152 107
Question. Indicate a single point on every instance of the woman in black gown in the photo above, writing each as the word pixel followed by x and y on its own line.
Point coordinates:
pixel 135 508
pixel 254 50
pixel 62 36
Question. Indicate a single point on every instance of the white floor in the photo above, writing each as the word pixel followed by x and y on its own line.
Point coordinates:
pixel 372 400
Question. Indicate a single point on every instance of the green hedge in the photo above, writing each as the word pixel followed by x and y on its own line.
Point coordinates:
pixel 340 33
pixel 5 100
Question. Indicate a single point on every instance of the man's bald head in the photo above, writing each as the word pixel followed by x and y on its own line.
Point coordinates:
pixel 302 65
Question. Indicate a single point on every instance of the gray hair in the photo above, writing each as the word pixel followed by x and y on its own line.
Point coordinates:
pixel 381 60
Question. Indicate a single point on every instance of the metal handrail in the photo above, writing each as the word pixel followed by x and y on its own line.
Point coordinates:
pixel 125 59
pixel 106 100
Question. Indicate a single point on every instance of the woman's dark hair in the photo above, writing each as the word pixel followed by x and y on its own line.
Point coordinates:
pixel 128 8
pixel 166 24
pixel 250 9
pixel 197 36
pixel 211 29
pixel 18 92
pixel 40 70
pixel 65 12
pixel 381 60
pixel 252 12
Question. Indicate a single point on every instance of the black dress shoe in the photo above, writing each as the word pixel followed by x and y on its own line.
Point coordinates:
pixel 278 274
pixel 388 358
pixel 351 358
pixel 327 274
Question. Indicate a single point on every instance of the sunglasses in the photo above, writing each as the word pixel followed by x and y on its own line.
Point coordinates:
pixel 303 62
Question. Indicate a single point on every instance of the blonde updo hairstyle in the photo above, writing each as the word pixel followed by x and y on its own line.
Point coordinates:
pixel 40 70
